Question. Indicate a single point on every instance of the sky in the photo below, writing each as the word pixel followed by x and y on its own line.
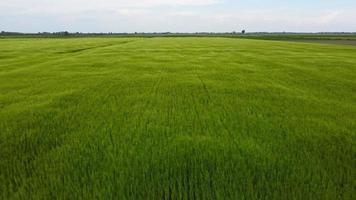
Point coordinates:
pixel 178 15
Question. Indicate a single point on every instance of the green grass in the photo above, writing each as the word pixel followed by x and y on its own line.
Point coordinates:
pixel 176 118
pixel 340 39
pixel 299 36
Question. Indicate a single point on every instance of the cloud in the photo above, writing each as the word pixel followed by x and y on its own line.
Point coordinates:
pixel 167 15
pixel 84 9
pixel 184 13
pixel 287 20
pixel 70 6
pixel 329 17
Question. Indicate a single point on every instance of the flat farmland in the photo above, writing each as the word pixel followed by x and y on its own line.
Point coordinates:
pixel 176 118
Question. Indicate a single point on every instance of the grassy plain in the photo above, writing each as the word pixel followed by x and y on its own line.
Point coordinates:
pixel 341 39
pixel 176 118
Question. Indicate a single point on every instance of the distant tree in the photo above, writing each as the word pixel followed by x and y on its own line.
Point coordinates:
pixel 66 33
pixel 243 31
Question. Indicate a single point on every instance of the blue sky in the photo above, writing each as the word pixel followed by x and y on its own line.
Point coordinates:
pixel 177 15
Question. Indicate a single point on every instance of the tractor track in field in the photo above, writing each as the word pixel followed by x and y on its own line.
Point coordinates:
pixel 55 58
pixel 207 92
pixel 95 47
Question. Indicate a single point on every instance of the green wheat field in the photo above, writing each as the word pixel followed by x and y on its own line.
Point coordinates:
pixel 176 118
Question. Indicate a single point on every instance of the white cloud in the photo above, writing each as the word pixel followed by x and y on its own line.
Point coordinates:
pixel 284 20
pixel 329 17
pixel 65 6
pixel 164 15
pixel 184 13
pixel 131 12
pixel 68 8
